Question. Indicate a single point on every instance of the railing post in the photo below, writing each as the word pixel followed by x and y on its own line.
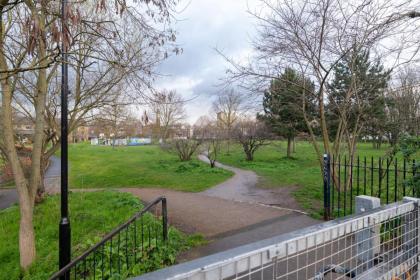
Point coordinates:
pixel 164 219
pixel 327 187
pixel 368 240
pixel 411 230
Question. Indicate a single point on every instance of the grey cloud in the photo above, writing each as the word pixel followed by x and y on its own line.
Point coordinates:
pixel 204 25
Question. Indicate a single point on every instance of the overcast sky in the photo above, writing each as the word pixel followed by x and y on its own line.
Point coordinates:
pixel 202 26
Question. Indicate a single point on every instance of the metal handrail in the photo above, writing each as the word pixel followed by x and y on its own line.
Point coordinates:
pixel 260 259
pixel 62 273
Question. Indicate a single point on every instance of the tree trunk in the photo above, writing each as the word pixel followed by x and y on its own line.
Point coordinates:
pixel 40 106
pixel 26 231
pixel 41 187
pixel 289 146
pixel 26 197
pixel 228 141
pixel 294 145
pixel 249 156
pixel 228 147
pixel 26 188
pixel 248 153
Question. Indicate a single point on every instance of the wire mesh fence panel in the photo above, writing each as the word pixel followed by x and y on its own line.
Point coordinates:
pixel 379 244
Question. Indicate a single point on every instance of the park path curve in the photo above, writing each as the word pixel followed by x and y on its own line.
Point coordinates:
pixel 243 187
pixel 210 216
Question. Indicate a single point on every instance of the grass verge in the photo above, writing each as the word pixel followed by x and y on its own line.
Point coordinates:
pixel 139 166
pixel 93 214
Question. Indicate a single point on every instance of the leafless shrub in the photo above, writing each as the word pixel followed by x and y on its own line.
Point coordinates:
pixel 183 148
pixel 251 135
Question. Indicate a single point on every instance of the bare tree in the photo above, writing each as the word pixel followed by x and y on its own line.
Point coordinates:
pixel 107 53
pixel 200 127
pixel 313 37
pixel 183 148
pixel 227 106
pixel 168 109
pixel 112 117
pixel 403 110
pixel 252 135
pixel 213 136
pixel 29 37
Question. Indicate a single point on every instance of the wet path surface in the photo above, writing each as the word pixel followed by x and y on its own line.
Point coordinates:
pixel 52 176
pixel 243 187
pixel 225 223
pixel 211 216
pixel 8 197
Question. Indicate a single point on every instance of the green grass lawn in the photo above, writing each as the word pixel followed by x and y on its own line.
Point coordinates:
pixel 139 166
pixel 303 170
pixel 93 214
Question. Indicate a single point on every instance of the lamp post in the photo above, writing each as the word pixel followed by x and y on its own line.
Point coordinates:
pixel 64 228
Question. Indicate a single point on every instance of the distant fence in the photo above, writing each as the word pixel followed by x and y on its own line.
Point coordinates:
pixel 129 141
pixel 376 244
pixel 389 179
pixel 123 248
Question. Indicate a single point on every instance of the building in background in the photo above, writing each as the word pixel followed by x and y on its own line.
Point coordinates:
pixel 24 128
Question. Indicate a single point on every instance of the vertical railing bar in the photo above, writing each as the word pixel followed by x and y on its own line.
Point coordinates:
pixel 339 184
pixel 84 268
pixel 118 253
pixel 345 185
pixel 358 174
pixel 102 264
pixel 165 220
pixel 396 180
pixel 94 264
pixel 156 234
pixel 148 230
pixel 414 174
pixel 126 246
pixel 380 178
pixel 371 176
pixel 404 175
pixel 110 259
pixel 387 180
pixel 142 236
pixel 326 176
pixel 135 242
pixel 333 185
pixel 351 184
pixel 364 177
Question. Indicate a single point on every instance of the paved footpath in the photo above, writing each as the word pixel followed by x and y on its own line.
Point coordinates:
pixel 243 186
pixel 8 197
pixel 233 213
pixel 211 216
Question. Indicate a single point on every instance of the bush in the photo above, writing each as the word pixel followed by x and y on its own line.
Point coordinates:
pixel 183 148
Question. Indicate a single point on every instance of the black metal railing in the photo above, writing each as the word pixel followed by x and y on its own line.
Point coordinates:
pixel 389 179
pixel 122 249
